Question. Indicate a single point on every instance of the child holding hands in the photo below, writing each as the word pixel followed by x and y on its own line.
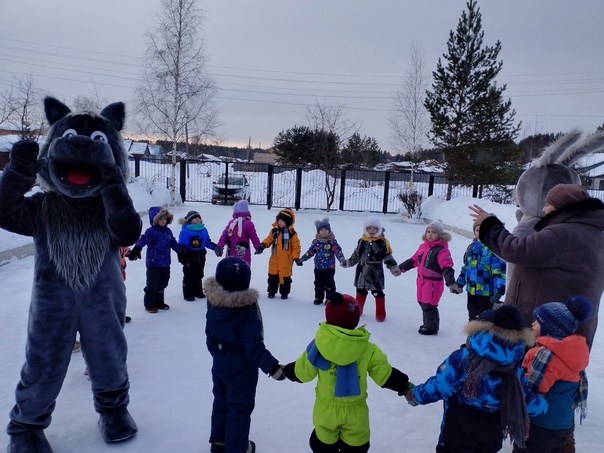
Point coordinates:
pixel 159 240
pixel 326 250
pixel 238 234
pixel 285 249
pixel 556 368
pixel 433 261
pixel 486 395
pixel 372 250
pixel 235 339
pixel 341 356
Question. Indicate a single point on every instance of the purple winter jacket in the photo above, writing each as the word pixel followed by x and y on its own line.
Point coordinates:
pixel 237 236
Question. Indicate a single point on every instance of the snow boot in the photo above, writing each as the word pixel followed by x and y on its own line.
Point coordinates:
pixel 187 294
pixel 361 298
pixel 117 425
pixel 317 302
pixel 380 309
pixel 160 301
pixel 32 441
pixel 217 447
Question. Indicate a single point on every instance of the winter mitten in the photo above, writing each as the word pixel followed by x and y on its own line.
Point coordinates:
pixel 455 288
pixel 298 262
pixel 395 270
pixel 182 257
pixel 135 253
pixel 410 397
pixel 344 263
pixel 260 249
pixel 278 374
pixel 218 251
pixel 24 157
pixel 410 386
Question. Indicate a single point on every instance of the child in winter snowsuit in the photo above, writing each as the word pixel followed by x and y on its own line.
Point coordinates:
pixel 556 368
pixel 340 357
pixel 483 275
pixel 285 248
pixel 193 239
pixel 433 261
pixel 485 392
pixel 159 240
pixel 238 233
pixel 372 250
pixel 234 337
pixel 326 250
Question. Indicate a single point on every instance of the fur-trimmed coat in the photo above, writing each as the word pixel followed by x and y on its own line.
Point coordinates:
pixel 489 341
pixel 158 239
pixel 370 256
pixel 234 329
pixel 563 258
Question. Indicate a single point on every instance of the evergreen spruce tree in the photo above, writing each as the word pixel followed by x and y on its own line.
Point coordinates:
pixel 471 122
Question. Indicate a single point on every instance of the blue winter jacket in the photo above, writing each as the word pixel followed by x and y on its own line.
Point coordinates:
pixel 325 251
pixel 159 240
pixel 194 239
pixel 450 376
pixel 234 331
pixel 482 271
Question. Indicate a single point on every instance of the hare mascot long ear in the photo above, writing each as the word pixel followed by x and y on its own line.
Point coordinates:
pixel 551 168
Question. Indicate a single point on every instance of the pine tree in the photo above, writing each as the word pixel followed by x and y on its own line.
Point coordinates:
pixel 471 122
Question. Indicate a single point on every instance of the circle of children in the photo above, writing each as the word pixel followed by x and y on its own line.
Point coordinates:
pixel 500 382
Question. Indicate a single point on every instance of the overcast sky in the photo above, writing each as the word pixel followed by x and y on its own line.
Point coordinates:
pixel 270 58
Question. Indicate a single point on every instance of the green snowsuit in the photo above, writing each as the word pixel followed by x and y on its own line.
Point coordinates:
pixel 347 417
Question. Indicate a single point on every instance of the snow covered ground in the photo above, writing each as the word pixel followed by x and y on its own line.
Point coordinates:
pixel 169 365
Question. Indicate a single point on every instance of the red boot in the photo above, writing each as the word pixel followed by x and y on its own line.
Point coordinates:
pixel 380 309
pixel 361 298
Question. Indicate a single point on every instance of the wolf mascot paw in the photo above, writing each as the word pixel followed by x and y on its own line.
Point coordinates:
pixel 78 221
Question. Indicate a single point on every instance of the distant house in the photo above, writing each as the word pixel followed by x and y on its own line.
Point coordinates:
pixel 592 167
pixel 267 157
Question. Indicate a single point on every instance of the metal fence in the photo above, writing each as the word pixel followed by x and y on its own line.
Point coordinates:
pixel 305 188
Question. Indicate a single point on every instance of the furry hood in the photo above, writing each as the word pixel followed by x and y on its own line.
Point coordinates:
pixel 524 335
pixel 218 297
pixel 155 212
pixel 445 237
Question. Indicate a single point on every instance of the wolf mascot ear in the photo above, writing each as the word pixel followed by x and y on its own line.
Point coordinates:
pixel 551 168
pixel 78 221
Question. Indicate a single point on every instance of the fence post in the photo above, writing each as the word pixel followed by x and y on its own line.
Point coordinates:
pixel 386 192
pixel 183 180
pixel 298 188
pixel 269 186
pixel 226 182
pixel 431 185
pixel 342 188
pixel 475 190
pixel 137 167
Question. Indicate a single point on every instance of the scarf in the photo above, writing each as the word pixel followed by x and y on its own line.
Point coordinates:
pixel 326 238
pixel 540 361
pixel 514 416
pixel 347 377
pixel 285 244
pixel 236 223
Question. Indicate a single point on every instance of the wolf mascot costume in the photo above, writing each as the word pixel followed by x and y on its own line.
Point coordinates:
pixel 78 222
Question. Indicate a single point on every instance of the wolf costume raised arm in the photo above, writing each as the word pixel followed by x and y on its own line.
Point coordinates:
pixel 78 222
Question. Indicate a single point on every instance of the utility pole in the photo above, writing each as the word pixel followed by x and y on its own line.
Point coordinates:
pixel 249 149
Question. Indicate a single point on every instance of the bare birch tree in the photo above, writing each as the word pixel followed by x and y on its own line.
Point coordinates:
pixel 329 122
pixel 410 122
pixel 175 96
pixel 26 116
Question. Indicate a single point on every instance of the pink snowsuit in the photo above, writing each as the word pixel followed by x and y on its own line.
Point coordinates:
pixel 432 265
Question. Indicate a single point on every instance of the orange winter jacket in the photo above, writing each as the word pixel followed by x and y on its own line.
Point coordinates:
pixel 281 260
